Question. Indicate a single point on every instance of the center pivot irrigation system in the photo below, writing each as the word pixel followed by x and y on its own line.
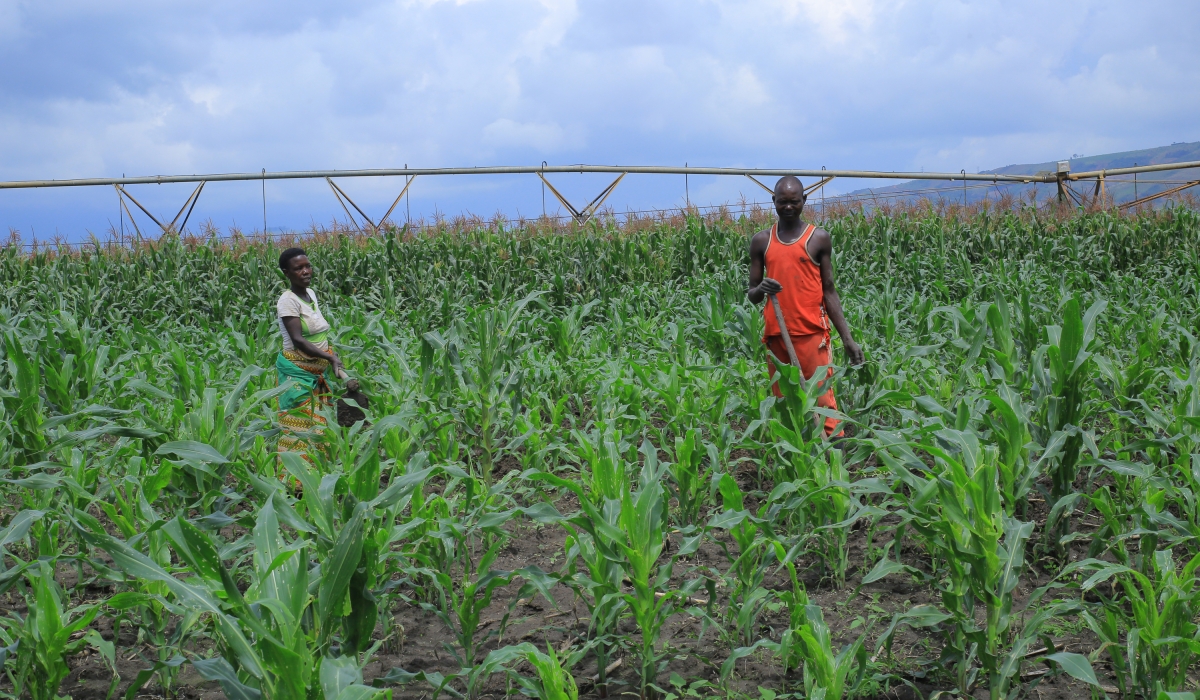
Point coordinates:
pixel 1062 177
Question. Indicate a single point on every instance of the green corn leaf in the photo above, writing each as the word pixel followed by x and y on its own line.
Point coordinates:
pixel 339 674
pixel 137 565
pixel 234 397
pixel 143 677
pixel 405 485
pixel 362 692
pixel 84 436
pixel 190 449
pixel 128 599
pixel 917 616
pixel 200 551
pixel 19 526
pixel 1016 533
pixel 731 495
pixel 729 519
pixel 885 567
pixel 37 482
pixel 141 385
pixel 340 566
pixel 543 512
pixel 27 379
pixel 319 509
pixel 743 652
pixel 1077 665
pixel 218 669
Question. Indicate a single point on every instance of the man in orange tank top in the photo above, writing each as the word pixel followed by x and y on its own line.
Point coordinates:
pixel 792 260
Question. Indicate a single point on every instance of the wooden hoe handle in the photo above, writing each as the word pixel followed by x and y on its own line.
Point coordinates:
pixel 787 338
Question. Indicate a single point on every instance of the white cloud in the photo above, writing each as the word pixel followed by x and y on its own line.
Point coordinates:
pixel 211 97
pixel 740 86
pixel 835 19
pixel 560 15
pixel 543 138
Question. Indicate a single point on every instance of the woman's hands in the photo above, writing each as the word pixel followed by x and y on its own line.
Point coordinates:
pixel 339 369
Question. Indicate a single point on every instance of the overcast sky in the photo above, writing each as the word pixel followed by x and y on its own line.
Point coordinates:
pixel 94 89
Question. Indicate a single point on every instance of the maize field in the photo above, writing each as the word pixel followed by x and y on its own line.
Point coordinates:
pixel 573 479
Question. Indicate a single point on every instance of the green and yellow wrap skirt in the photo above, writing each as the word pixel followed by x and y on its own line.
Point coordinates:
pixel 299 419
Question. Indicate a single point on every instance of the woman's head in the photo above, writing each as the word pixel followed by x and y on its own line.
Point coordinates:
pixel 294 263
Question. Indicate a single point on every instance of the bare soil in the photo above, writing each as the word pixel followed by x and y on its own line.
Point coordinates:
pixel 420 641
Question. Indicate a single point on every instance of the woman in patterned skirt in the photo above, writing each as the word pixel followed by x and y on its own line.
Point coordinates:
pixel 307 359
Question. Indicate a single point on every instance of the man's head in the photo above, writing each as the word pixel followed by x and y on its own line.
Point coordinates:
pixel 294 263
pixel 789 197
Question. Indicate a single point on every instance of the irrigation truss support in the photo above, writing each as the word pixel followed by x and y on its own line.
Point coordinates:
pixel 343 198
pixel 189 204
pixel 807 190
pixel 1159 195
pixel 760 184
pixel 582 215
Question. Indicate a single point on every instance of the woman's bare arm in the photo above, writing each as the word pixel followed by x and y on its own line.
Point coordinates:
pixel 296 332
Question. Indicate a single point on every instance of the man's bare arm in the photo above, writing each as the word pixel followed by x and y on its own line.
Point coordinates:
pixel 823 252
pixel 758 286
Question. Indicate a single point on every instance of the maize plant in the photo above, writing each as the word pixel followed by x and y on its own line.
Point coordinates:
pixel 1156 618
pixel 1063 368
pixel 689 478
pixel 47 636
pixel 598 583
pixel 280 655
pixel 491 377
pixel 602 453
pixel 747 569
pixel 553 682
pixel 827 676
pixel 275 655
pixel 630 532
pixel 807 643
pixel 812 484
pixel 980 553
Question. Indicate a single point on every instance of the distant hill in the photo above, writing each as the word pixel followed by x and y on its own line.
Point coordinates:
pixel 1121 189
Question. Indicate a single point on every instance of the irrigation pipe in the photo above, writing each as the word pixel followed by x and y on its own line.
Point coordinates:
pixel 533 170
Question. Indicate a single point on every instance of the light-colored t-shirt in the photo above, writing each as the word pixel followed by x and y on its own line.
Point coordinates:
pixel 313 325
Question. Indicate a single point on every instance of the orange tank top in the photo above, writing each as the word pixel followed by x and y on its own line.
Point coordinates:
pixel 802 299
